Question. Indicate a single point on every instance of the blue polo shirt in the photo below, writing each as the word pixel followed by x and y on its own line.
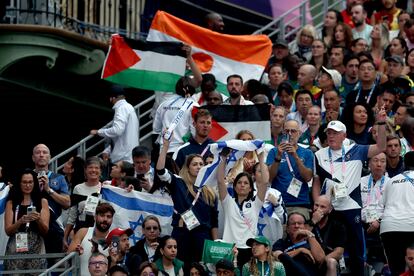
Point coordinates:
pixel 283 178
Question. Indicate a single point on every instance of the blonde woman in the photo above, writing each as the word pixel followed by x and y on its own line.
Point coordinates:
pixel 195 217
pixel 379 42
pixel 304 39
pixel 262 263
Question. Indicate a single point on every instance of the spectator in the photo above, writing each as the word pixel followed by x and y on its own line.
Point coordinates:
pixel 234 87
pixel 147 269
pixel 358 118
pixel 196 217
pixel 341 176
pixel 74 171
pixel 347 14
pixel 124 130
pixel 350 78
pixel 277 119
pixel 306 78
pixel 166 260
pixel 78 217
pixel 303 100
pixel 302 47
pixel 313 119
pixel 224 267
pixel 56 191
pixel 119 255
pixel 409 260
pixel 145 248
pixel 214 98
pixel 262 262
pixel 397 231
pixel 319 54
pixel 285 95
pixel 118 270
pixel 336 58
pixel 380 40
pixel 214 22
pixel 329 232
pixel 359 45
pixel 91 239
pixel 332 18
pixel 26 222
pixel 143 169
pixel 359 17
pixel 277 74
pixel 403 17
pixel 119 171
pixel 387 15
pixel 97 264
pixel 399 117
pixel 241 213
pixel 410 63
pixel 290 168
pixel 395 163
pixel 332 105
pixel 197 143
pixel 208 84
pixel 342 35
pixel 301 246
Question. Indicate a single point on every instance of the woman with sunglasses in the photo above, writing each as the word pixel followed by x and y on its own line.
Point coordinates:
pixel 146 247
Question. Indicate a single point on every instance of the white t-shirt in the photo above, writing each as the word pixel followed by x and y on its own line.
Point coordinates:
pixel 240 225
pixel 398 202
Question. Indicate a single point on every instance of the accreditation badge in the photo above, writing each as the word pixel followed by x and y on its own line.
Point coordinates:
pixel 190 219
pixel 22 242
pixel 294 187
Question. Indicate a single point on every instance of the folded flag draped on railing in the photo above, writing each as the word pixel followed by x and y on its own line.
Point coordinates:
pixel 208 174
pixel 131 209
pixel 215 53
pixel 144 65
pixel 228 120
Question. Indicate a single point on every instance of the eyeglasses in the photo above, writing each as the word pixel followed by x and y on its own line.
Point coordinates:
pixel 149 228
pixel 97 263
pixel 290 131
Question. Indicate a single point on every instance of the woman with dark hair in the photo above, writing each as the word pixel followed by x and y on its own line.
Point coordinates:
pixel 358 118
pixel 74 171
pixel 166 258
pixel 342 35
pixel 196 217
pixel 397 47
pixel 241 212
pixel 319 54
pixel 197 269
pixel 26 222
pixel 119 171
pixel 332 18
pixel 285 95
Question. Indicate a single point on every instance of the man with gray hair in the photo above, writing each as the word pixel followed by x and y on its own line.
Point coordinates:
pixel 339 168
pixel 290 169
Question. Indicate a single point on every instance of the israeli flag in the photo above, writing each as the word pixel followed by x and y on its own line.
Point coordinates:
pixel 208 174
pixel 132 208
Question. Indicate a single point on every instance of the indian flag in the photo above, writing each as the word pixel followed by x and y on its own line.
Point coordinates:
pixel 144 65
pixel 219 54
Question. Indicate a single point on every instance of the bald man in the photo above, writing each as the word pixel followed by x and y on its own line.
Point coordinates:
pixel 329 232
pixel 214 22
pixel 306 77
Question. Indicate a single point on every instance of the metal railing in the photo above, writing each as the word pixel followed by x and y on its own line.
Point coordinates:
pixel 96 19
pixel 291 21
pixel 69 264
pixel 95 145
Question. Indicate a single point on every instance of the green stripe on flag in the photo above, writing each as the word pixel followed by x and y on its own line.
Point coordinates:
pixel 147 80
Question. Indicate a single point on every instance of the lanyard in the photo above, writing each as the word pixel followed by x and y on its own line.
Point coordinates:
pixel 263 266
pixel 369 94
pixel 288 163
pixel 332 166
pixel 371 188
pixel 296 245
pixel 150 258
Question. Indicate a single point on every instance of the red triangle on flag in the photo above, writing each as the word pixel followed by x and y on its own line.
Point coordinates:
pixel 217 131
pixel 120 57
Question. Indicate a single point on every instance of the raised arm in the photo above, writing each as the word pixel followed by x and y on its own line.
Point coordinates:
pixel 263 180
pixel 163 155
pixel 381 144
pixel 196 80
pixel 222 187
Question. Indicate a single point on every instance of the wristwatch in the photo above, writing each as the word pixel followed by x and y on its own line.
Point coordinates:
pixel 277 160
pixel 51 192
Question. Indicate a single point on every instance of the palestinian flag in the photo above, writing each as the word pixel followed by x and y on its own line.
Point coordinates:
pixel 144 65
pixel 228 120
pixel 219 54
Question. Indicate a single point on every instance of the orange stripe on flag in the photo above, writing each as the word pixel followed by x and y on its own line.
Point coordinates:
pixel 252 49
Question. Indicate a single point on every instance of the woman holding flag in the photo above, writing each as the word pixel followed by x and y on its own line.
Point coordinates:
pixel 195 215
pixel 241 212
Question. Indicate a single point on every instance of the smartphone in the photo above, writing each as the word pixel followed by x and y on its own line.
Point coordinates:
pixel 141 177
pixel 115 244
pixel 285 138
pixel 31 209
pixel 41 174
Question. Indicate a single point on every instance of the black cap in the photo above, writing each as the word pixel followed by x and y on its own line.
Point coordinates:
pixel 118 267
pixel 281 42
pixel 116 90
pixel 225 264
pixel 396 59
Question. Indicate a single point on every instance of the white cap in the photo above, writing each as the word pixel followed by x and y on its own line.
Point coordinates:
pixel 337 126
pixel 335 76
